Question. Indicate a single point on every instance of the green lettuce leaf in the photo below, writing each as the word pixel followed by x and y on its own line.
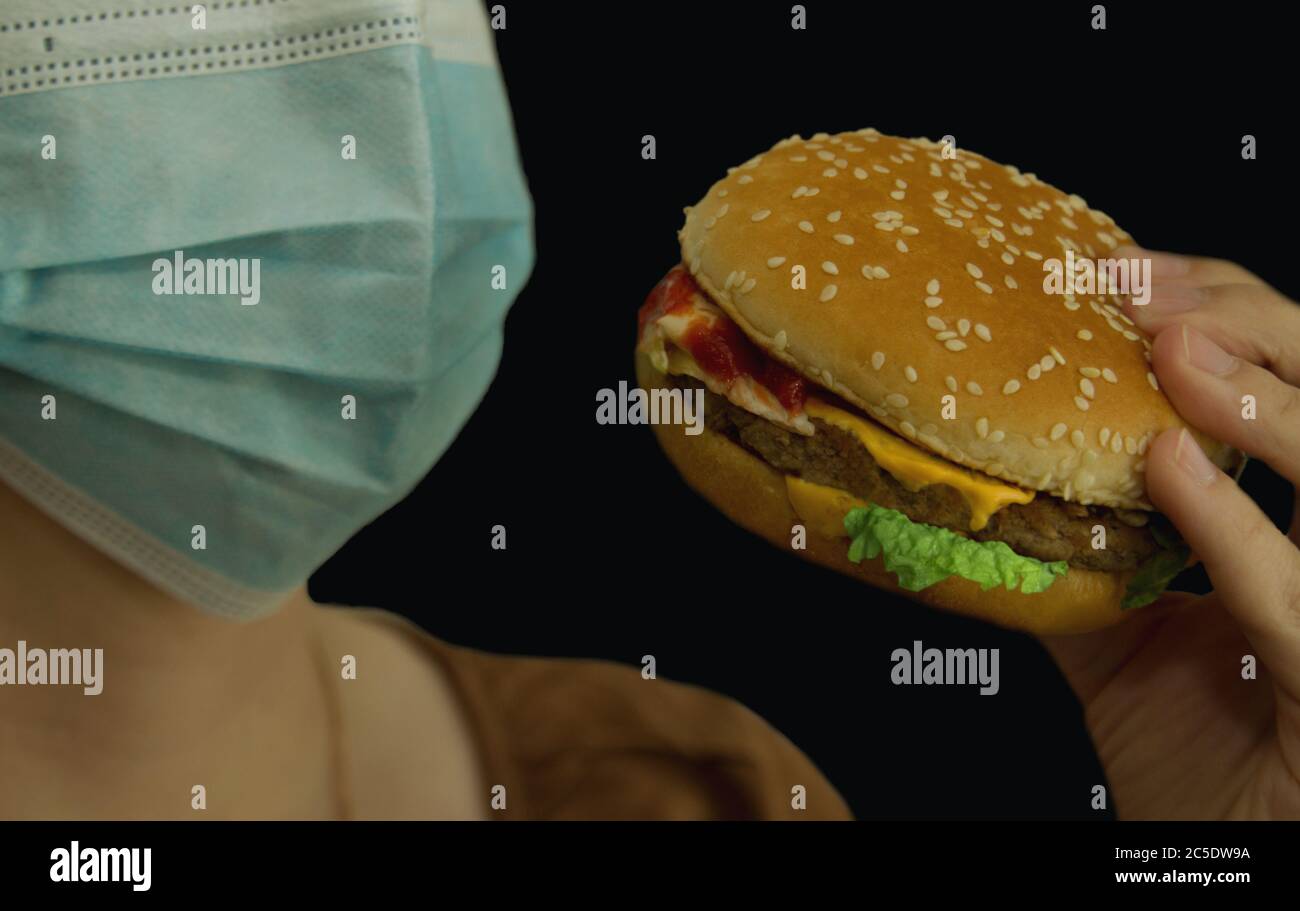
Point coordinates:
pixel 1154 576
pixel 921 555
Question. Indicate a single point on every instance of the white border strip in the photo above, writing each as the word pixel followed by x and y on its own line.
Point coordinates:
pixel 55 44
pixel 165 567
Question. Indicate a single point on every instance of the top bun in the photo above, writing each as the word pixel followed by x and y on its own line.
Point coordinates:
pixel 924 278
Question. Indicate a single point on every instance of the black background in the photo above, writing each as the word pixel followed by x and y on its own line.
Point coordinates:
pixel 610 554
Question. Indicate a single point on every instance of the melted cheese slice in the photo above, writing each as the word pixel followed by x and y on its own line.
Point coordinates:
pixel 915 468
pixel 821 509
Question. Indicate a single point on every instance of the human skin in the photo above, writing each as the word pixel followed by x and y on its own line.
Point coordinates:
pixel 243 709
pixel 1180 733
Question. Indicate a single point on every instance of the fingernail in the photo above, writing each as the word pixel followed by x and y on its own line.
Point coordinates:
pixel 1167 299
pixel 1192 460
pixel 1163 265
pixel 1204 354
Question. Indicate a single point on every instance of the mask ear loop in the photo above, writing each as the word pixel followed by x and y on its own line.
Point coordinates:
pixel 341 767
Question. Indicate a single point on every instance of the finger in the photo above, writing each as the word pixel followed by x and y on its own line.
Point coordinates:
pixel 1194 270
pixel 1250 321
pixel 1254 567
pixel 1230 398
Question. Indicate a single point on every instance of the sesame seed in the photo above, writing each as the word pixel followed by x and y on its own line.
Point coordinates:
pixel 859 173
pixel 1034 371
pixel 1084 335
pixel 774 261
pixel 907 428
pixel 1041 442
pixel 846 239
pixel 955 344
pixel 885 226
pixel 731 280
pixel 830 268
pixel 1131 445
pixel 982 427
pixel 833 217
pixel 974 270
pixel 825 155
pixel 1047 362
pixel 1090 372
pixel 828 292
pixel 878 360
pixel 779 340
pixel 982 331
pixel 974 388
pixel 996 436
pixel 902 247
pixel 748 285
pixel 1130 335
pixel 932 286
pixel 760 215
pixel 830 172
pixel 1086 387
pixel 1109 375
pixel 933 302
pixel 897 399
pixel 1151 378
pixel 963 326
pixel 1011 387
pixel 935 323
pixel 1077 438
pixel 1058 430
pixel 1116 443
pixel 799 191
pixel 879 272
pixel 745 178
pixel 726 207
pixel 813 191
pixel 1060 358
pixel 910 372
pixel 710 222
pixel 985 287
pixel 880 169
pixel 1081 402
pixel 1010 282
pixel 951 383
pixel 806 227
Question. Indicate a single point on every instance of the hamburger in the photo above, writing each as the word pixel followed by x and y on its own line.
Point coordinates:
pixel 892 392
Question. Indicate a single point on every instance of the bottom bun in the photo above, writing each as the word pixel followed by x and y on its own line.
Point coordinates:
pixel 754 495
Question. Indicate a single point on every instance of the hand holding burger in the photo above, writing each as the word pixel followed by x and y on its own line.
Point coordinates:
pixel 886 371
pixel 1183 729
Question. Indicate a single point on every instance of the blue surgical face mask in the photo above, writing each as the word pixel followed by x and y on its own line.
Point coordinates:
pixel 338 182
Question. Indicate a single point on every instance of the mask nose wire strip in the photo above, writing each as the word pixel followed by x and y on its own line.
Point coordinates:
pixel 54 44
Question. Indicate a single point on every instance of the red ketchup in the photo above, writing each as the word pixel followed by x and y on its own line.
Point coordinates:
pixel 720 348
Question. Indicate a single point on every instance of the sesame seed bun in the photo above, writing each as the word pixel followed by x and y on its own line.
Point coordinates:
pixel 924 279
pixel 754 496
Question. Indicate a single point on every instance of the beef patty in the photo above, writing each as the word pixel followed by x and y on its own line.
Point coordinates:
pixel 1046 528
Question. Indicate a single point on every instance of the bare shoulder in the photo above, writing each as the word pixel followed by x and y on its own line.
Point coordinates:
pixel 411 751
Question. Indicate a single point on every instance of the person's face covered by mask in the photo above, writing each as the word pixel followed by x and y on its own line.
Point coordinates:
pixel 253 272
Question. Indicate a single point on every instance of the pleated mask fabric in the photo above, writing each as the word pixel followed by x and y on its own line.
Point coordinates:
pixel 338 183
